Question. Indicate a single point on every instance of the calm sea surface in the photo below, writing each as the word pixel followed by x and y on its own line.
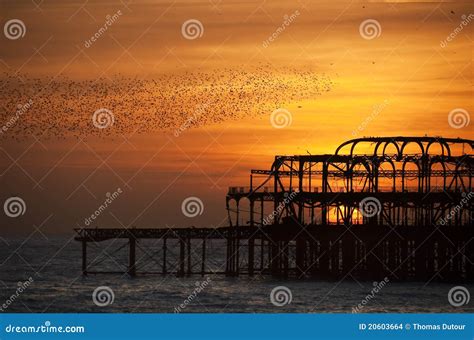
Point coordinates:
pixel 54 264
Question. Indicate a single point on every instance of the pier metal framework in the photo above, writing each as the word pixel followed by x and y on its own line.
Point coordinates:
pixel 397 207
pixel 379 206
pixel 416 180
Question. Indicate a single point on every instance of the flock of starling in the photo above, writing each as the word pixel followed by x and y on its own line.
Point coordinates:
pixel 61 107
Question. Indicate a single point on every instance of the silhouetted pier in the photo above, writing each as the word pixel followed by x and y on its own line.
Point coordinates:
pixel 398 207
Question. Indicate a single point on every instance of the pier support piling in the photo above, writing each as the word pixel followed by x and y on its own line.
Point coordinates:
pixel 203 257
pixel 251 243
pixel 84 257
pixel 164 269
pixel 182 250
pixel 188 246
pixel 132 257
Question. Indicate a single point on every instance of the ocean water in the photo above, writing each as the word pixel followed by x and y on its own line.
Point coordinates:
pixel 54 266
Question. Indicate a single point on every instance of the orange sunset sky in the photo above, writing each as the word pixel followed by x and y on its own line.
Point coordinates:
pixel 404 80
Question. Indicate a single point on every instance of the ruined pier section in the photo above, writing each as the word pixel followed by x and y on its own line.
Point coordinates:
pixel 396 207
